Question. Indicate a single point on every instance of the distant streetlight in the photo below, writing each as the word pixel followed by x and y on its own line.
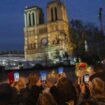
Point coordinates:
pixel 86 46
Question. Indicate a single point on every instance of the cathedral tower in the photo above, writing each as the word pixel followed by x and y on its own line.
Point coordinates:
pixel 58 27
pixel 46 41
pixel 33 16
pixel 56 11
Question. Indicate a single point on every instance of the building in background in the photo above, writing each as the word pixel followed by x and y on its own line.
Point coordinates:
pixel 44 41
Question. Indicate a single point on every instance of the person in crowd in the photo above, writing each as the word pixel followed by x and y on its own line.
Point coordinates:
pixel 21 84
pixel 46 99
pixel 29 95
pixel 56 90
pixel 88 103
pixel 30 81
pixel 67 90
pixel 96 71
pixel 60 76
pixel 51 88
pixel 18 87
pixel 6 94
pixel 97 91
pixel 35 89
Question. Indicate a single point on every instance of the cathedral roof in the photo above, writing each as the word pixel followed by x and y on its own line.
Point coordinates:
pixel 54 1
pixel 30 7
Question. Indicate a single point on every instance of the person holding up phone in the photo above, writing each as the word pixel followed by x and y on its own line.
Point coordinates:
pixel 34 86
pixel 83 89
pixel 84 92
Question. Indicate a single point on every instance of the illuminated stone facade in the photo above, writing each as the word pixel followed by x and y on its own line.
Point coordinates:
pixel 43 40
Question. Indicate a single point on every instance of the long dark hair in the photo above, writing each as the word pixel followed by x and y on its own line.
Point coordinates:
pixel 88 102
pixel 46 99
pixel 67 90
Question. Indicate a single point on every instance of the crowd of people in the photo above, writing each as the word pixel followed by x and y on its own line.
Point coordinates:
pixel 56 90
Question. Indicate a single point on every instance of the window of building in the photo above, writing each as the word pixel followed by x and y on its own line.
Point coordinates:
pixel 40 19
pixel 33 17
pixel 56 16
pixel 52 17
pixel 29 19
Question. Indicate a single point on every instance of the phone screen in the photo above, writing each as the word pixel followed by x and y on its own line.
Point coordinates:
pixel 43 76
pixel 16 77
pixel 11 77
pixel 60 70
pixel 86 78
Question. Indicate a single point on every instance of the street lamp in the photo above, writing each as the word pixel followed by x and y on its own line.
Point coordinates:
pixel 86 46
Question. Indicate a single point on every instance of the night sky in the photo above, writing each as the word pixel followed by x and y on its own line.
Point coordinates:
pixel 12 18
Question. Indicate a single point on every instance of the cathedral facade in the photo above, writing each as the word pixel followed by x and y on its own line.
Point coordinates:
pixel 43 40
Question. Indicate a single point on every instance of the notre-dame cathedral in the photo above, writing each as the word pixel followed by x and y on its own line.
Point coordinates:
pixel 44 39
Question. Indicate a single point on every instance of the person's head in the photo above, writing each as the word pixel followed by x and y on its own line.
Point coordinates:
pixel 6 93
pixel 30 77
pixel 33 79
pixel 88 103
pixel 60 76
pixel 95 69
pixel 91 70
pixel 66 88
pixel 46 99
pixel 19 84
pixel 97 88
pixel 99 68
pixel 51 81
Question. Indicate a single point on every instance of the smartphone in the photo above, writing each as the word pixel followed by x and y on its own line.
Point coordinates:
pixel 43 76
pixel 86 78
pixel 11 77
pixel 60 70
pixel 16 77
